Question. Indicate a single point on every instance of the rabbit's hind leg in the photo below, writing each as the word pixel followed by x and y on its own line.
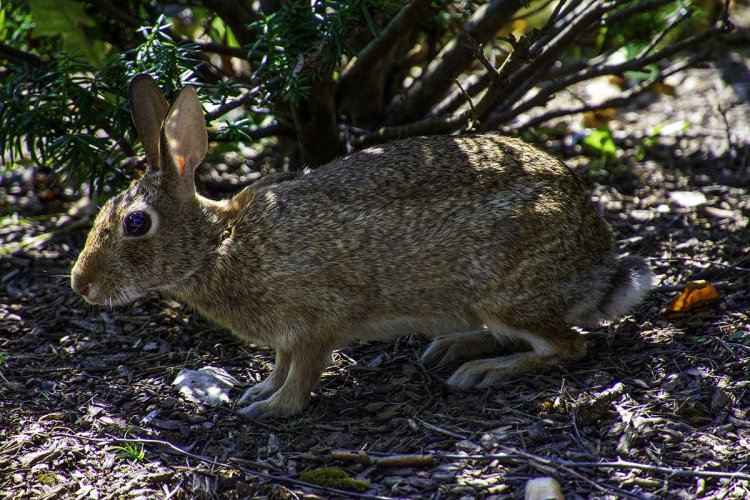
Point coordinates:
pixel 272 383
pixel 454 347
pixel 558 344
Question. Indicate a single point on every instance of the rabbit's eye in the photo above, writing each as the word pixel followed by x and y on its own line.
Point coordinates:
pixel 137 223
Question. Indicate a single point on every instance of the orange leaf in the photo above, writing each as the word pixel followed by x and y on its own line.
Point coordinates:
pixel 618 81
pixel 595 119
pixel 695 294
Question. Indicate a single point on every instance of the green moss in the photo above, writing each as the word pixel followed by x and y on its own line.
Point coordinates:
pixel 334 477
pixel 47 478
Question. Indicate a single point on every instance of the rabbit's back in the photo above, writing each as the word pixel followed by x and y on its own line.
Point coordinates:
pixel 433 168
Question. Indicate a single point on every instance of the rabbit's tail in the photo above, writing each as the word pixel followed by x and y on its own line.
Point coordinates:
pixel 631 280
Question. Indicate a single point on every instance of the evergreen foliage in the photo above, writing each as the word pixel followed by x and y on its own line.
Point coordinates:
pixel 335 75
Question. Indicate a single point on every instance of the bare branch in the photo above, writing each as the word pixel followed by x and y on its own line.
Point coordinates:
pixel 474 84
pixel 396 29
pixel 375 69
pixel 521 80
pixel 440 74
pixel 274 130
pixel 473 113
pixel 491 70
pixel 18 56
pixel 536 10
pixel 244 99
pixel 514 109
pixel 614 102
pixel 685 14
pixel 428 126
pixel 560 17
pixel 521 53
pixel 638 8
pixel 224 50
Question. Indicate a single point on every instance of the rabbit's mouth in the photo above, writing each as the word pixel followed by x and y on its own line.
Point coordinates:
pixel 95 294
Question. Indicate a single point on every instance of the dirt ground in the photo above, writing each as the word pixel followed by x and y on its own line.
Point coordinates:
pixel 660 407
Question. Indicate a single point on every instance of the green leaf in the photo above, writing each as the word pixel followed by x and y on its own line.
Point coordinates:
pixel 371 24
pixel 68 19
pixel 600 141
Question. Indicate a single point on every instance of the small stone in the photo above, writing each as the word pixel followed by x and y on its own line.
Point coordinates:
pixel 688 199
pixel 273 444
pixel 544 488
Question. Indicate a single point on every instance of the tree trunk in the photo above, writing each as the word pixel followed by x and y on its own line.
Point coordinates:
pixel 316 125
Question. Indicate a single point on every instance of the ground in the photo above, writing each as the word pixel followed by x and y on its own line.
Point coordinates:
pixel 659 401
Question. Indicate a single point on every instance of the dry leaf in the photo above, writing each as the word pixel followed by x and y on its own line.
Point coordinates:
pixel 695 294
pixel 595 119
pixel 618 81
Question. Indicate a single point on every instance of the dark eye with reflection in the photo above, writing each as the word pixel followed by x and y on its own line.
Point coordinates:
pixel 137 223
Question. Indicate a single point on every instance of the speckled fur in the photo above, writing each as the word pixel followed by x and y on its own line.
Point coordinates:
pixel 435 235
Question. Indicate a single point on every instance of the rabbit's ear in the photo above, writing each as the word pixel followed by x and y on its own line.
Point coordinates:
pixel 185 140
pixel 148 107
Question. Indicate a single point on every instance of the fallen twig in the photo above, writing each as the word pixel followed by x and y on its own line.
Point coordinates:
pixel 440 430
pixel 389 461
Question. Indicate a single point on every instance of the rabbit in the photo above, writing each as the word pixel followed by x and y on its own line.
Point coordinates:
pixel 478 240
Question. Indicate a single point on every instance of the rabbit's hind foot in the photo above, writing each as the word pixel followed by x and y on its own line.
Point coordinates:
pixel 558 346
pixel 449 349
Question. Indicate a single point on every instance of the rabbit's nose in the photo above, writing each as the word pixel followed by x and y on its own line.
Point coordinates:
pixel 79 284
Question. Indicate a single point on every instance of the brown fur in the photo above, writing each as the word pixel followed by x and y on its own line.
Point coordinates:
pixel 436 235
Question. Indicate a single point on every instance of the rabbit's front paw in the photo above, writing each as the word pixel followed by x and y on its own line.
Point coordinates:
pixel 274 406
pixel 261 390
pixel 258 410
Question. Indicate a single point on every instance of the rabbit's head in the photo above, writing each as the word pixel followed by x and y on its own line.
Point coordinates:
pixel 148 237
